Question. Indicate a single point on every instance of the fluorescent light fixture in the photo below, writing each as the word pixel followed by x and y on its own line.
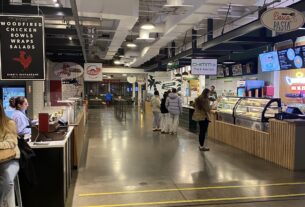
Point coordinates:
pixel 124 74
pixel 131 45
pixel 56 4
pixel 228 62
pixel 302 28
pixel 117 62
pixel 70 38
pixel 148 26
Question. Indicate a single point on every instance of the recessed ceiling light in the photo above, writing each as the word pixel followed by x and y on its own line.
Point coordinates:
pixel 70 38
pixel 131 45
pixel 56 4
pixel 55 1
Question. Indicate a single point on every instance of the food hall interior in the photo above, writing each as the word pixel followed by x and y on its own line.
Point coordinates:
pixel 90 71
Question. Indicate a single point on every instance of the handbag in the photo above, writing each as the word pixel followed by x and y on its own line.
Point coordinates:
pixel 7 155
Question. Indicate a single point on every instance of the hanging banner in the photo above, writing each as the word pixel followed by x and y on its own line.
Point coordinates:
pixel 282 20
pixel 93 72
pixel 204 66
pixel 22 48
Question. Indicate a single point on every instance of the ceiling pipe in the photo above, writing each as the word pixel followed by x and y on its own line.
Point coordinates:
pixel 78 29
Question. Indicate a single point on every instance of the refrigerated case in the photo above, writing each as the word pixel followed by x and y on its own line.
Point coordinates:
pixel 256 112
pixel 225 109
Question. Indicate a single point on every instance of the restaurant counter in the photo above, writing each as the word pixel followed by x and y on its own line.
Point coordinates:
pixel 53 168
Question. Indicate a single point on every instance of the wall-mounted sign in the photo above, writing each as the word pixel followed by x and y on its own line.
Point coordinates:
pixel 68 70
pixel 22 47
pixel 93 72
pixel 282 19
pixel 204 66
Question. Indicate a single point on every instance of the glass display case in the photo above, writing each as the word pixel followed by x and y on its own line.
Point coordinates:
pixel 225 109
pixel 74 106
pixel 255 112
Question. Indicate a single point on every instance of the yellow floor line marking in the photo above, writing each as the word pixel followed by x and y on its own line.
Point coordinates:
pixel 200 200
pixel 188 189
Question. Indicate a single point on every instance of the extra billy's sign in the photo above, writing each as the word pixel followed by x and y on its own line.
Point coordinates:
pixel 282 20
pixel 22 48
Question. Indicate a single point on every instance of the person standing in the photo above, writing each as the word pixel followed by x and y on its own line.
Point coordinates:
pixel 8 169
pixel 23 123
pixel 108 98
pixel 155 104
pixel 174 107
pixel 164 115
pixel 202 115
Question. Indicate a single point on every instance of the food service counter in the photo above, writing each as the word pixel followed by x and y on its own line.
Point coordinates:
pixel 283 144
pixel 53 167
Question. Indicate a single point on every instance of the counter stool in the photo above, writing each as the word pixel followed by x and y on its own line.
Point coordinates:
pixel 17 191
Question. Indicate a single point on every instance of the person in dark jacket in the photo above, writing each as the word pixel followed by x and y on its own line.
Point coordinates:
pixel 164 115
pixel 174 107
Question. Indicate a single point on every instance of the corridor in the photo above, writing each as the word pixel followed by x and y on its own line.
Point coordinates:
pixel 129 165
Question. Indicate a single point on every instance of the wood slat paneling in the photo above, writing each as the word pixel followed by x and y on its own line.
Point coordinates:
pixel 276 146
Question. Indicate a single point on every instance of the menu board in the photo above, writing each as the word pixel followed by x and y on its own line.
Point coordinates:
pixel 269 61
pixel 237 70
pixel 291 58
pixel 22 47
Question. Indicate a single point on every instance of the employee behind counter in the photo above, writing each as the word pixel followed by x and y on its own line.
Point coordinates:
pixel 23 123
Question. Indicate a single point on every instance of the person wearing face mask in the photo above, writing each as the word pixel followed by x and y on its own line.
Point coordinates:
pixel 23 123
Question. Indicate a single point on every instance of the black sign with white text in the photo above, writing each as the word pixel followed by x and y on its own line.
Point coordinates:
pixel 22 48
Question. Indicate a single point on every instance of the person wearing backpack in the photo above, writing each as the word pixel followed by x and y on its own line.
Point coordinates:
pixel 174 107
pixel 164 115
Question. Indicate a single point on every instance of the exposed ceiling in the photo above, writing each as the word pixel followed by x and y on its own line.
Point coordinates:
pixel 99 30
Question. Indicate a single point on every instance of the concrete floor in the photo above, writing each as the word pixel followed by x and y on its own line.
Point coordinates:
pixel 138 167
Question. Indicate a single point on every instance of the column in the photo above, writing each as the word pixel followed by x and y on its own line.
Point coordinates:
pixel 133 91
pixel 210 29
pixel 139 95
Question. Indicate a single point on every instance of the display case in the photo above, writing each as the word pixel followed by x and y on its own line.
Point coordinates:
pixel 255 112
pixel 225 109
pixel 74 106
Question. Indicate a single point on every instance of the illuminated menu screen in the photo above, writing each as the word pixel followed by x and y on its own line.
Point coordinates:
pixel 291 58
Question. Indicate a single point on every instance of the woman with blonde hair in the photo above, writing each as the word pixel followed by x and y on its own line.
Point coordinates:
pixel 202 115
pixel 10 168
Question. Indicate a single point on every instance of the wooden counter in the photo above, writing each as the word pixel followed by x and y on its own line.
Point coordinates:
pixel 283 144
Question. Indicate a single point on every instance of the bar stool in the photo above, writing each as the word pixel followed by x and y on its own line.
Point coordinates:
pixel 17 192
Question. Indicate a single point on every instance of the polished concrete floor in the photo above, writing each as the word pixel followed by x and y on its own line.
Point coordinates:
pixel 129 165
